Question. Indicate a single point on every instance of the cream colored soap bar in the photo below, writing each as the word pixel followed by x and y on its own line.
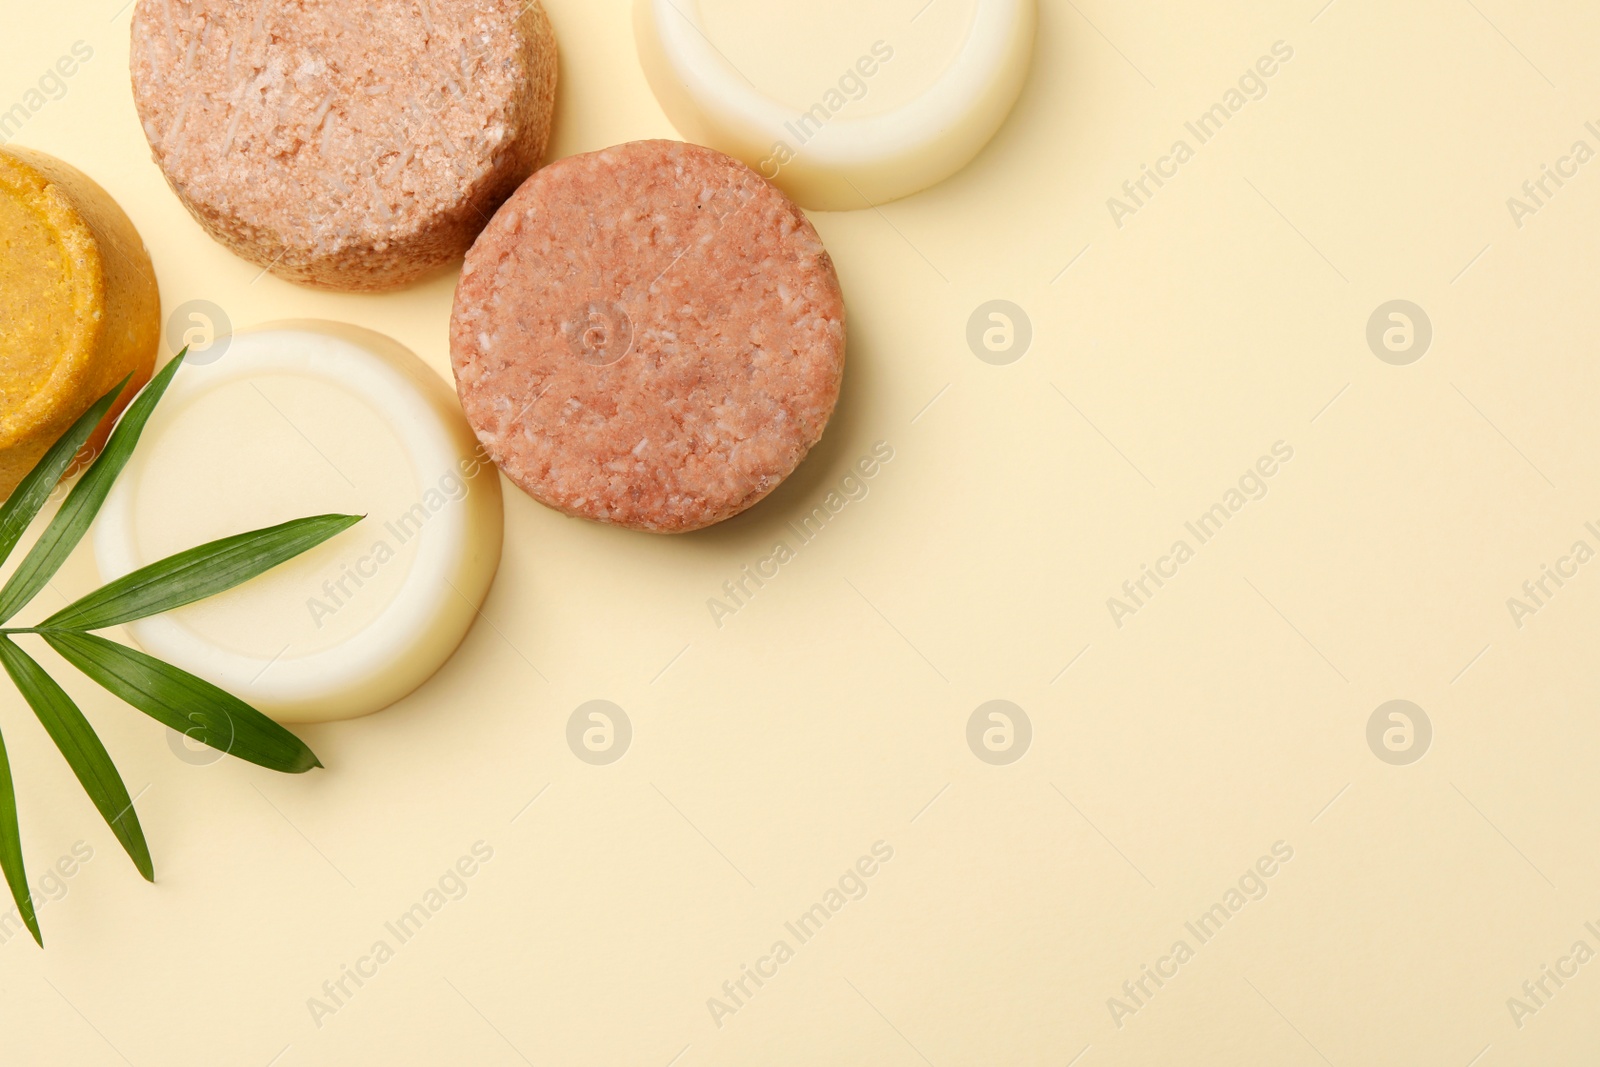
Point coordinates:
pixel 301 419
pixel 844 109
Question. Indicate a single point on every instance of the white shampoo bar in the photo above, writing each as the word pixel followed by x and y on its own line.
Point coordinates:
pixel 856 139
pixel 309 418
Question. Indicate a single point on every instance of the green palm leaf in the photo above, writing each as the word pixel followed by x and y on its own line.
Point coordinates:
pixel 167 694
pixel 31 493
pixel 83 751
pixel 187 704
pixel 196 574
pixel 83 503
pixel 11 849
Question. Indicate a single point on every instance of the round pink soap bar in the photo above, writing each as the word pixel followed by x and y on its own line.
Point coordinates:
pixel 650 336
pixel 342 144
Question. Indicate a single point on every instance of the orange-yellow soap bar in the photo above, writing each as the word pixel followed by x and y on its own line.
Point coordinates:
pixel 79 307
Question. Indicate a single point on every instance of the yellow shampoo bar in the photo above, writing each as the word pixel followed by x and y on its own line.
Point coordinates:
pixel 79 307
pixel 310 418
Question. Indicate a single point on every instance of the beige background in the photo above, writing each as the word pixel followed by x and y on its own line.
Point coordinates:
pixel 830 713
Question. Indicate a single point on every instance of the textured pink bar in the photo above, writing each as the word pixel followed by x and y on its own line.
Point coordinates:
pixel 651 336
pixel 343 144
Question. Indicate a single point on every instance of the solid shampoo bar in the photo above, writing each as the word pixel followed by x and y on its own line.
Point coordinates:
pixel 79 308
pixel 344 144
pixel 310 418
pixel 856 143
pixel 649 336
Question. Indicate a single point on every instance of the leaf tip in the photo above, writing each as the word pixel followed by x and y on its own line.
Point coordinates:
pixel 30 918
